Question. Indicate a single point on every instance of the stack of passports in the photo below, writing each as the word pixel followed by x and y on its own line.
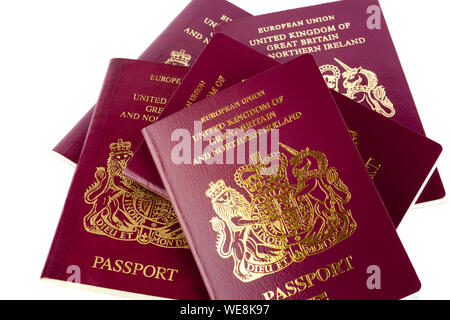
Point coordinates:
pixel 271 159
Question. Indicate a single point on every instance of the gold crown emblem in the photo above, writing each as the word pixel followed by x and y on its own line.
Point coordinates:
pixel 261 172
pixel 120 146
pixel 330 68
pixel 331 75
pixel 179 58
pixel 216 189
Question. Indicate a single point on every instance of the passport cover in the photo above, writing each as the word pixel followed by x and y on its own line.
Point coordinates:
pixel 312 226
pixel 180 44
pixel 350 41
pixel 118 234
pixel 398 159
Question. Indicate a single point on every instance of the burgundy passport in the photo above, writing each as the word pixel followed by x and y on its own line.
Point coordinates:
pixel 301 222
pixel 398 159
pixel 179 44
pixel 350 41
pixel 113 233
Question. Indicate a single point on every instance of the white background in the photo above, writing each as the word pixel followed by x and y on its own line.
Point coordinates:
pixel 53 56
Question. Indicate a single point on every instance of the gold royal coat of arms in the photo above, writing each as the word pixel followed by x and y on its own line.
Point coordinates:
pixel 123 210
pixel 285 218
pixel 359 84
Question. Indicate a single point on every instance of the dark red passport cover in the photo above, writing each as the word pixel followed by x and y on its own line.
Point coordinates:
pixel 350 40
pixel 399 160
pixel 314 228
pixel 118 234
pixel 180 43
